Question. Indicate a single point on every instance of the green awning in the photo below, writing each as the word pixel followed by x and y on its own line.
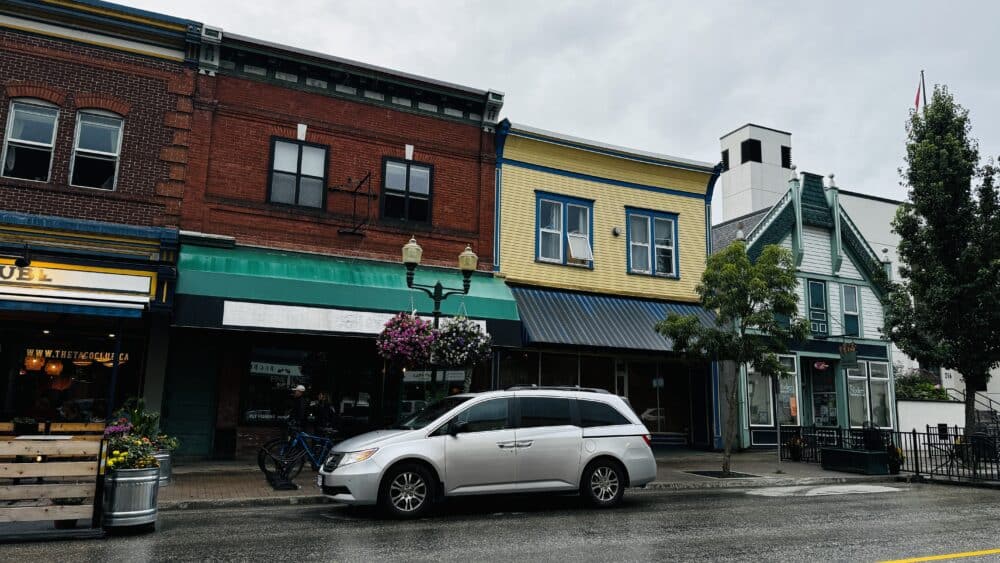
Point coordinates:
pixel 273 276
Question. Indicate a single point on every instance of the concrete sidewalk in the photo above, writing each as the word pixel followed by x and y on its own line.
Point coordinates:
pixel 240 483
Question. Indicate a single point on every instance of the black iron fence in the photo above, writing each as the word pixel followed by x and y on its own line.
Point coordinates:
pixel 940 452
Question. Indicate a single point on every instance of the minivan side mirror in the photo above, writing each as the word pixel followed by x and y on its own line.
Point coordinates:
pixel 457 427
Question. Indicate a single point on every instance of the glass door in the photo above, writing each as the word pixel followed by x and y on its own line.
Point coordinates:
pixel 824 395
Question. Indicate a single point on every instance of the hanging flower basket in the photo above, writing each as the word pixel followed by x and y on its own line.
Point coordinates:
pixel 406 340
pixel 460 344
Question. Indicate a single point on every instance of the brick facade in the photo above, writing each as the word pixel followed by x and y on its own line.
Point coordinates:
pixel 153 96
pixel 229 161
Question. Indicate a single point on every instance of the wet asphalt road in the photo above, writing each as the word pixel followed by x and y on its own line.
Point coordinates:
pixel 706 525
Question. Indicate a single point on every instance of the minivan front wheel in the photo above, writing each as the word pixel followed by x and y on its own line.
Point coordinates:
pixel 407 491
pixel 603 483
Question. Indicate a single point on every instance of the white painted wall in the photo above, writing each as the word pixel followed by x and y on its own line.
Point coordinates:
pixel 874 219
pixel 816 256
pixel 916 415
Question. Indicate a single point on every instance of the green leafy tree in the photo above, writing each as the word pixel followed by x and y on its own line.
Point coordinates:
pixel 945 311
pixel 756 309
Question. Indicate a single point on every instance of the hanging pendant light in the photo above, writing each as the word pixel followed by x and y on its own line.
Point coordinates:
pixel 53 368
pixel 33 363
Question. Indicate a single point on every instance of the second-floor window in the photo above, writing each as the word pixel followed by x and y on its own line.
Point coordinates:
pixel 652 243
pixel 31 134
pixel 96 150
pixel 564 230
pixel 298 174
pixel 852 324
pixel 406 191
pixel 818 320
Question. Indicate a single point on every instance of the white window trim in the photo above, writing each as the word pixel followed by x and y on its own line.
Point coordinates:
pixel 9 131
pixel 770 401
pixel 647 245
pixel 865 377
pixel 557 232
pixel 99 154
pixel 671 247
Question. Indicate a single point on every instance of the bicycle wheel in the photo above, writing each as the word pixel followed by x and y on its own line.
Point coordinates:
pixel 281 454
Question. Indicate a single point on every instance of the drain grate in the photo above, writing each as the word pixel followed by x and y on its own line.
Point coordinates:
pixel 721 475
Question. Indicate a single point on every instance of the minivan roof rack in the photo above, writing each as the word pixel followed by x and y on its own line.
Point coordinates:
pixel 558 388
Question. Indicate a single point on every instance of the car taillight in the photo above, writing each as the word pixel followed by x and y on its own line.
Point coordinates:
pixel 648 439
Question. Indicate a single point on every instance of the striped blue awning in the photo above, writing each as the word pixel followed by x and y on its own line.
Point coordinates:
pixel 606 321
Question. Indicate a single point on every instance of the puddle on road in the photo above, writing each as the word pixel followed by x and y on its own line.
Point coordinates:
pixel 824 490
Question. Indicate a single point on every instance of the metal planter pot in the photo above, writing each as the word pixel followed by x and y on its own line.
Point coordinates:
pixel 130 497
pixel 166 466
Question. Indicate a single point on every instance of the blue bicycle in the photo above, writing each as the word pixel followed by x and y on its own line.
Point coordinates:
pixel 287 456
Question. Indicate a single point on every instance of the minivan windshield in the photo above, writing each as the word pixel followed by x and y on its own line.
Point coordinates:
pixel 432 413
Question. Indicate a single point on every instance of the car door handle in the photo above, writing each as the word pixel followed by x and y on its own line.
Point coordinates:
pixel 506 445
pixel 524 444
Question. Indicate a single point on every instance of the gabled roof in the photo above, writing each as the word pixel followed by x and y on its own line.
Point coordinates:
pixel 725 233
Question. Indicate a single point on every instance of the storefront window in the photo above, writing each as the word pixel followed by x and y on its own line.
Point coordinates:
pixel 66 376
pixel 597 372
pixel 559 369
pixel 518 367
pixel 788 393
pixel 824 398
pixel 857 404
pixel 862 410
pixel 759 399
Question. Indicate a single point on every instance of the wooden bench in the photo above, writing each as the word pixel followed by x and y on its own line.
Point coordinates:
pixel 48 480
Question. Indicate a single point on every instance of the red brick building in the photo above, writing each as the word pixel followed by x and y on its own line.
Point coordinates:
pixel 306 174
pixel 95 116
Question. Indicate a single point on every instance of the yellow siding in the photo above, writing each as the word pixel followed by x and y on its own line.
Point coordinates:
pixel 610 272
pixel 602 165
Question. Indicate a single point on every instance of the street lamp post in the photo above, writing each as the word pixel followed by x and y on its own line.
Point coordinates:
pixel 467 263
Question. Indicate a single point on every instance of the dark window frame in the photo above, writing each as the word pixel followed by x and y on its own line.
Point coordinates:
pixel 725 160
pixel 748 155
pixel 406 194
pixel 298 174
pixel 786 156
pixel 819 317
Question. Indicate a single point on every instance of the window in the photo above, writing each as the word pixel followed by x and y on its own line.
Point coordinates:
pixel 31 133
pixel 543 411
pixel 593 413
pixel 759 396
pixel 298 174
pixel 818 321
pixel 725 160
pixel 486 416
pixel 870 378
pixel 786 157
pixel 564 230
pixel 406 191
pixel 652 243
pixel 852 322
pixel 788 392
pixel 750 151
pixel 96 149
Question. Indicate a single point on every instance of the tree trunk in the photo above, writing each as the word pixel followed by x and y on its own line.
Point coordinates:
pixel 730 391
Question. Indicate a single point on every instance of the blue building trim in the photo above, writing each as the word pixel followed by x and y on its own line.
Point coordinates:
pixel 68 309
pixel 597 179
pixel 162 234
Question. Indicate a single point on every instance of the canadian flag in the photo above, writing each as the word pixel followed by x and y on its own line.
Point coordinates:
pixel 916 101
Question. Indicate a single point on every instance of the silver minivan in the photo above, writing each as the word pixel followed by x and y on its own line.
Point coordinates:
pixel 524 439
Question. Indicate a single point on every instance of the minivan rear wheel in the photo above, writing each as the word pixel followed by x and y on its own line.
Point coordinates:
pixel 406 491
pixel 603 483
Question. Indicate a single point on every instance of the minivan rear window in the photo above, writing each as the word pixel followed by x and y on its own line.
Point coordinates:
pixel 545 411
pixel 593 413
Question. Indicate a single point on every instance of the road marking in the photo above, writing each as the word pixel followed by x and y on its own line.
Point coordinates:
pixel 946 556
pixel 818 491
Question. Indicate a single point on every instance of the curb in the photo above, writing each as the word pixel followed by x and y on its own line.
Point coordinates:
pixel 748 483
pixel 201 504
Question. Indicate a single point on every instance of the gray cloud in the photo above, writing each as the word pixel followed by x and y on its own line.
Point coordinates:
pixel 672 76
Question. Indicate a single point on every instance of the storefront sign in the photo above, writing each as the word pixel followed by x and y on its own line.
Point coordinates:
pixel 75 355
pixel 263 368
pixel 313 319
pixel 60 278
pixel 849 355
pixel 424 376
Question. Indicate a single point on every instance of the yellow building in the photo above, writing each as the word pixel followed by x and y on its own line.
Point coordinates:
pixel 598 243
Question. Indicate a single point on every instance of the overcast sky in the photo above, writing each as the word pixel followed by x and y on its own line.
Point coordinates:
pixel 672 77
